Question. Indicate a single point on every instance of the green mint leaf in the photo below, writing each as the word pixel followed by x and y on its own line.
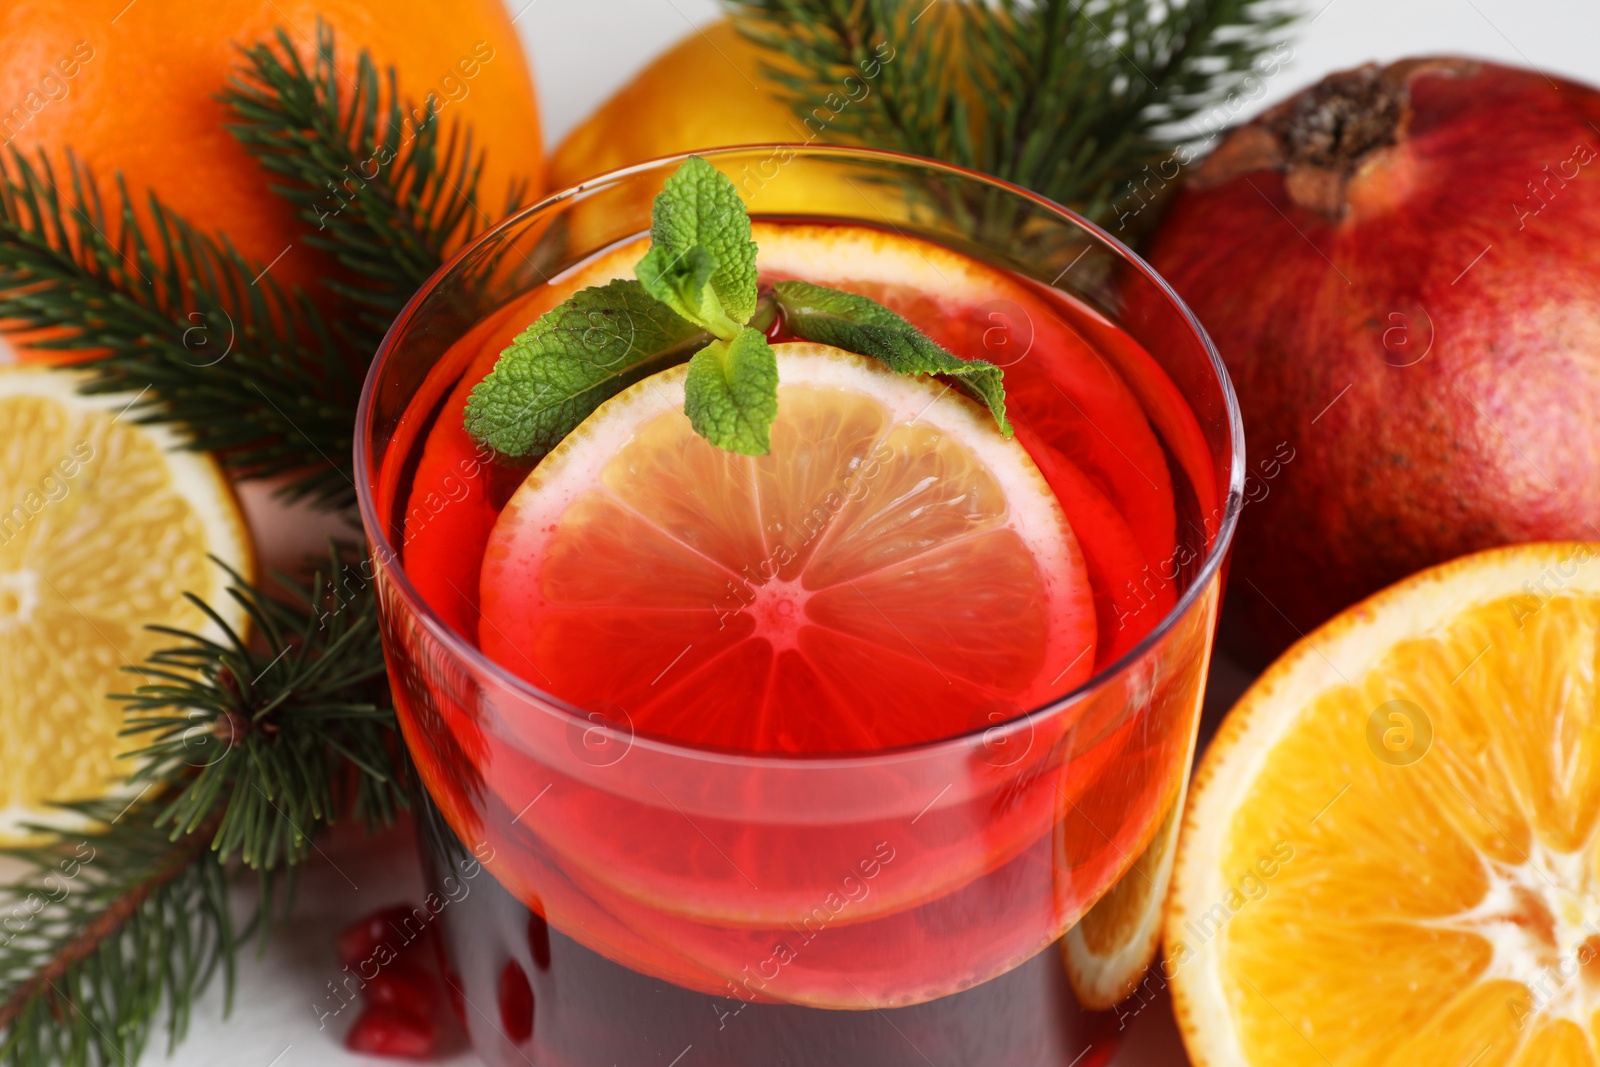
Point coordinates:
pixel 857 324
pixel 683 284
pixel 573 358
pixel 731 393
pixel 700 208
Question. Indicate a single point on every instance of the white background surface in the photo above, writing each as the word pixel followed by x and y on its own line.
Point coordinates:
pixel 582 50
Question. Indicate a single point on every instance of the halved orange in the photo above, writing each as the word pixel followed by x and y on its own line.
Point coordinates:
pixel 890 569
pixel 1391 855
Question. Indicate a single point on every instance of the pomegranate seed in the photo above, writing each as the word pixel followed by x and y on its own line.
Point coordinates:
pixel 386 1031
pixel 516 1003
pixel 392 925
pixel 405 987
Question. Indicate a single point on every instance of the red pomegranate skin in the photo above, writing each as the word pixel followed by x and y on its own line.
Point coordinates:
pixel 1417 322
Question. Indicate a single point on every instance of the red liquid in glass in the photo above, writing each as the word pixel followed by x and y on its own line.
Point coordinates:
pixel 806 903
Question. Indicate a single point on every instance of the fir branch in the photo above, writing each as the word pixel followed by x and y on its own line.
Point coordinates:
pixel 275 739
pixel 388 188
pixel 254 750
pixel 109 933
pixel 1070 98
pixel 206 339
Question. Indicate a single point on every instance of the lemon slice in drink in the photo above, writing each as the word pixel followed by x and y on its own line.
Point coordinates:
pixel 104 526
pixel 1392 855
pixel 893 572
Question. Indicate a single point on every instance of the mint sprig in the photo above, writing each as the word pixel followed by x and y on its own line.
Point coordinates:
pixel 683 283
pixel 696 298
pixel 857 324
pixel 731 393
pixel 699 230
pixel 570 361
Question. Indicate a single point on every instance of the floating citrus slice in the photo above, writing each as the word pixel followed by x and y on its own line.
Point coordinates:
pixel 1391 855
pixel 104 527
pixel 1099 452
pixel 1082 419
pixel 890 571
pixel 1112 946
pixel 1053 376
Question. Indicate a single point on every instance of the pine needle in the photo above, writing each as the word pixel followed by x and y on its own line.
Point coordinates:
pixel 112 932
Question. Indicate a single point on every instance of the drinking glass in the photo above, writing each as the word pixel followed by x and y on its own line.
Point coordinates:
pixel 609 897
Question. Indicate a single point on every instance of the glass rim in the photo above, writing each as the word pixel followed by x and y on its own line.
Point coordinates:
pixel 459 646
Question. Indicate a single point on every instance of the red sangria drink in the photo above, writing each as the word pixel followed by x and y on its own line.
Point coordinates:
pixel 797 570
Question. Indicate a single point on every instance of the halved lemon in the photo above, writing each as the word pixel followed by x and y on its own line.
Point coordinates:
pixel 104 525
pixel 1391 854
pixel 892 571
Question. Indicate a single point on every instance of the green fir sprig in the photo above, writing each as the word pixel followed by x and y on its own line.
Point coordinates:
pixel 259 737
pixel 383 185
pixel 1080 102
pixel 115 929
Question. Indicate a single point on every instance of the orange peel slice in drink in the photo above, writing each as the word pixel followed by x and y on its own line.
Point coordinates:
pixel 1111 948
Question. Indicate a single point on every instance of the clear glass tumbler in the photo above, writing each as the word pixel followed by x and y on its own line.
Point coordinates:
pixel 656 902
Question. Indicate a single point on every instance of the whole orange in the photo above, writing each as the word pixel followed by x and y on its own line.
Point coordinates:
pixel 131 87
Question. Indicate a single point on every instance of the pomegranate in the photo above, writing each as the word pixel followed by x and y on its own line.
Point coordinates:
pixel 1401 269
